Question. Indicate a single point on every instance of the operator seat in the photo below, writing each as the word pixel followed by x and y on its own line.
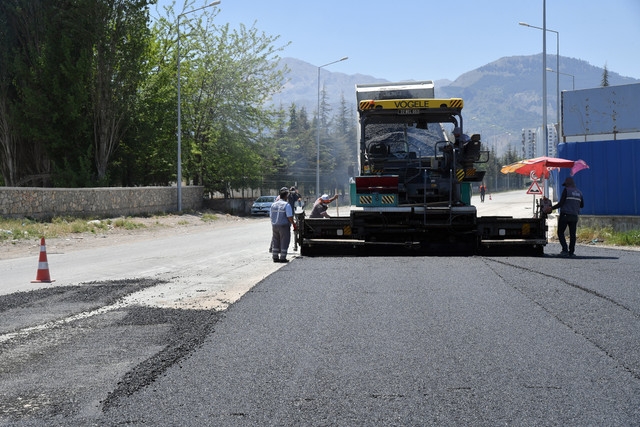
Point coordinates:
pixel 471 150
pixel 378 149
pixel 377 155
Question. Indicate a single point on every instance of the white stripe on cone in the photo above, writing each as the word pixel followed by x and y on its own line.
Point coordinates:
pixel 43 266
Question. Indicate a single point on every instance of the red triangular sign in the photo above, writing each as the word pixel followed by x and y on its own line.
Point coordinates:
pixel 534 188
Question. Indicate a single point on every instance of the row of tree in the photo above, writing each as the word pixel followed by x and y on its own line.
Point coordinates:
pixel 88 97
pixel 70 72
pixel 497 181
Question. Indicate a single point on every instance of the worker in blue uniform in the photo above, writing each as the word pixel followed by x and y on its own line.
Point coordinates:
pixel 281 221
pixel 569 204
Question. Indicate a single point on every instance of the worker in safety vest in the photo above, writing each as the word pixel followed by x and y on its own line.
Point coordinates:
pixel 570 204
pixel 281 222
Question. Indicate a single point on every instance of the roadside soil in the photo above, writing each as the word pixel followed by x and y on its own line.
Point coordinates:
pixel 151 227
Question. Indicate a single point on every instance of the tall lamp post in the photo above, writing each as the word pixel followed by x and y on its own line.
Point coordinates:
pixel 179 172
pixel 544 80
pixel 573 87
pixel 557 64
pixel 573 78
pixel 318 125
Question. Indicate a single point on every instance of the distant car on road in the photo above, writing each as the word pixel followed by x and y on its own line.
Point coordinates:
pixel 262 205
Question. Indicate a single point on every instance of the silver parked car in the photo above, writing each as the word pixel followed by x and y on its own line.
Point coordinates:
pixel 262 205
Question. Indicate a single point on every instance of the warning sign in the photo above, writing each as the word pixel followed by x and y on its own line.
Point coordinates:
pixel 534 188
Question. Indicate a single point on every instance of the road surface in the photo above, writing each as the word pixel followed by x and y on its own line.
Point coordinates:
pixel 203 329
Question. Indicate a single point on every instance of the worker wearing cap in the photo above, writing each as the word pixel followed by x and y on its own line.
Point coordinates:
pixel 294 197
pixel 460 138
pixel 281 221
pixel 321 205
pixel 570 204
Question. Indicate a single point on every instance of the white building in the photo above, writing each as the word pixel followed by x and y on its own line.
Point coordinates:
pixel 529 143
pixel 530 146
pixel 552 140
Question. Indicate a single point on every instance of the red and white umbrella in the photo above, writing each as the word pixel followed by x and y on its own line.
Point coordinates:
pixel 539 167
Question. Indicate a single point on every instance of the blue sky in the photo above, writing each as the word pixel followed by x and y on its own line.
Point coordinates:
pixel 431 40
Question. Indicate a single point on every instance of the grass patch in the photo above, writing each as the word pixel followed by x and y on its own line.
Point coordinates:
pixel 608 236
pixel 127 224
pixel 22 228
pixel 208 217
pixel 16 229
pixel 12 229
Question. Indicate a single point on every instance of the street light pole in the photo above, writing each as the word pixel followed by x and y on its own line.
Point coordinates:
pixel 318 126
pixel 573 78
pixel 557 64
pixel 573 86
pixel 179 171
pixel 545 132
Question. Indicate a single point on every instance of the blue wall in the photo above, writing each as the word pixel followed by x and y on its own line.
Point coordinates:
pixel 611 185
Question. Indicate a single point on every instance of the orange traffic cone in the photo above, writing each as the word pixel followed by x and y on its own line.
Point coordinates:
pixel 43 266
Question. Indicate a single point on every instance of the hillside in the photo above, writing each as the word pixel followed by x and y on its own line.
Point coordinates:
pixel 501 97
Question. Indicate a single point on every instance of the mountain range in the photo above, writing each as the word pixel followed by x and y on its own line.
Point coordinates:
pixel 501 98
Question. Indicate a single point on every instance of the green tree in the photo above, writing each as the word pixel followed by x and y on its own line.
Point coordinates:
pixel 8 126
pixel 326 151
pixel 301 156
pixel 9 132
pixel 44 57
pixel 121 37
pixel 101 87
pixel 345 148
pixel 227 78
pixel 148 153
pixel 306 157
pixel 72 67
pixel 605 77
pixel 39 60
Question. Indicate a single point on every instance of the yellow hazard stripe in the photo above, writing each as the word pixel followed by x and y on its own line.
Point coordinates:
pixel 388 200
pixel 410 104
pixel 385 199
pixel 460 174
